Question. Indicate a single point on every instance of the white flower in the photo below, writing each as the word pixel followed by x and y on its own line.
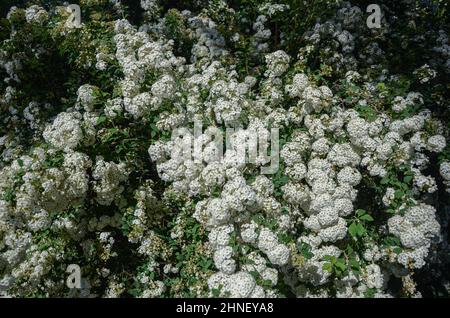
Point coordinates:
pixel 349 175
pixel 436 143
pixel 86 96
pixel 36 14
pixel 415 230
pixel 268 243
pixel 328 216
pixel 299 83
pixel 374 277
pixel 65 132
pixel 108 176
pixel 238 285
pixel 335 232
pixel 248 232
pixel 277 63
pixel 223 260
pixel 388 196
pixel 164 87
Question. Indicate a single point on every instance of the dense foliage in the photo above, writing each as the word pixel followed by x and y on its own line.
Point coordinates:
pixel 359 206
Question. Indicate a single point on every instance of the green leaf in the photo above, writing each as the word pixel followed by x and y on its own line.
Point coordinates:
pixel 281 181
pixel 360 212
pixel 341 265
pixel 352 229
pixel 101 119
pixel 354 264
pixel 305 250
pixel 327 267
pixel 367 217
pixel 370 292
pixel 407 179
pixel 398 194
pixel 360 230
pixel 215 292
pixel 349 250
pixel 8 194
pixel 392 241
pixel 255 274
pixel 397 250
pixel 267 283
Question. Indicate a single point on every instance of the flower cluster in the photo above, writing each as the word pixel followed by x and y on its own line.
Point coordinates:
pixel 99 123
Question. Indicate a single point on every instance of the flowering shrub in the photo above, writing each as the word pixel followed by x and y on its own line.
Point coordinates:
pixel 91 172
